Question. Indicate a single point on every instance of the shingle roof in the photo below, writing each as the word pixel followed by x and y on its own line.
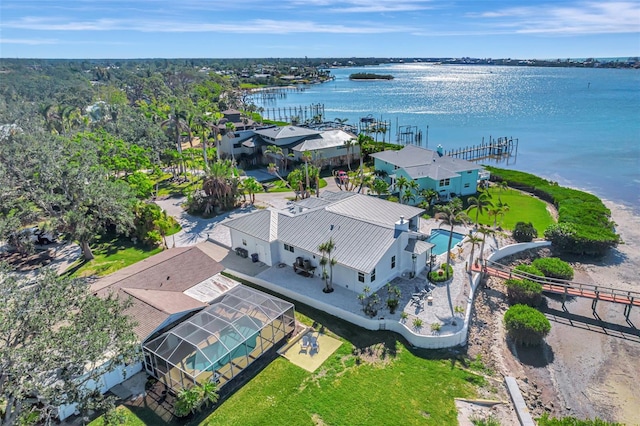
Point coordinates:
pixel 156 286
pixel 420 162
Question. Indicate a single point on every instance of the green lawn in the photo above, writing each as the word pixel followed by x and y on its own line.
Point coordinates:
pixel 111 255
pixel 167 188
pixel 522 208
pixel 374 378
pixel 126 416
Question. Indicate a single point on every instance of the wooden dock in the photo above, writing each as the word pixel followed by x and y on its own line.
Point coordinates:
pixel 495 148
pixel 566 288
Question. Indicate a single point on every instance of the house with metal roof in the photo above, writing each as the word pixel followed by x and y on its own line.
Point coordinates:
pixel 448 176
pixel 327 147
pixel 375 240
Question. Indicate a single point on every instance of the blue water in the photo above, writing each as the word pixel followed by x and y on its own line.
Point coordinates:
pixel 579 127
pixel 440 238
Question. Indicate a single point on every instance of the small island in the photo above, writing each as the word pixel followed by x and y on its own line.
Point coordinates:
pixel 370 76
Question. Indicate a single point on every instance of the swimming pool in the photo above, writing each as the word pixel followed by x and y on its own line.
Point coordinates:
pixel 440 238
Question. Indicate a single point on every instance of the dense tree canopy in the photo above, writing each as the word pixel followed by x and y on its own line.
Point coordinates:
pixel 53 336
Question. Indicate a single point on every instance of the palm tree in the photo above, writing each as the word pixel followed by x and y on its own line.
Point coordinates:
pixel 408 196
pixel 451 214
pixel 380 187
pixel 251 186
pixel 484 230
pixel 209 393
pixel 175 124
pixel 220 186
pixel 361 142
pixel 428 195
pixel 230 129
pixel 475 241
pixel 306 157
pixel 502 209
pixel 204 127
pixel 401 183
pixel 348 144
pixel 481 203
pixel 325 249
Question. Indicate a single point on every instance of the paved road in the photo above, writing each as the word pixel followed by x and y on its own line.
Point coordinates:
pixel 196 229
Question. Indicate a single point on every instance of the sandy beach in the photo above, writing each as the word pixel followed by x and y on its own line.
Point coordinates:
pixel 588 367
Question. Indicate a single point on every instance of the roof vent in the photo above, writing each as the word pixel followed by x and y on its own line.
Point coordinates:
pixel 331 227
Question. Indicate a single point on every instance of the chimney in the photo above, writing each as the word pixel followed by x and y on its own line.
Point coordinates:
pixel 402 225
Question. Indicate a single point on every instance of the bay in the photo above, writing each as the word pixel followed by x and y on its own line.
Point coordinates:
pixel 579 127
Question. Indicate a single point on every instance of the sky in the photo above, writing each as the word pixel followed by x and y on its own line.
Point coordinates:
pixel 522 29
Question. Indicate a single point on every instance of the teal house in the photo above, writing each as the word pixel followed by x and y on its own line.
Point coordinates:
pixel 449 177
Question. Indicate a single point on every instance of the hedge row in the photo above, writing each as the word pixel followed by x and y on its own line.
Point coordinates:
pixel 584 222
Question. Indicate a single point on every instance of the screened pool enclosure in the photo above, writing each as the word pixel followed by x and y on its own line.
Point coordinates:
pixel 220 341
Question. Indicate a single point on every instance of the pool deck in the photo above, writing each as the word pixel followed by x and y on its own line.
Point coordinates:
pixel 441 309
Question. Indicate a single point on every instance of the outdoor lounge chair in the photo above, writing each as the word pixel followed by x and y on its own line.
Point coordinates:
pixel 304 343
pixel 314 345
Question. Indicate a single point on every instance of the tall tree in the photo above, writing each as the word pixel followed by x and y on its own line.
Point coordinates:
pixel 175 125
pixel 401 183
pixel 480 204
pixel 326 249
pixel 69 187
pixel 451 214
pixel 362 141
pixel 55 339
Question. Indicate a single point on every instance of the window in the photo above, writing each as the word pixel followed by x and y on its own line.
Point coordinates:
pixel 360 277
pixel 469 172
pixel 393 262
pixel 373 275
pixel 287 247
pixel 445 182
pixel 466 185
pixel 244 242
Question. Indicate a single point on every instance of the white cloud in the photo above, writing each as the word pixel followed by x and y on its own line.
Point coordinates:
pixel 576 18
pixel 28 41
pixel 256 26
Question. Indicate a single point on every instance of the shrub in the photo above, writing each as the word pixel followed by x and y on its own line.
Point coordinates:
pixel 528 270
pixel 545 420
pixel 526 325
pixel 524 232
pixel 552 267
pixel 417 323
pixel 441 274
pixel 524 292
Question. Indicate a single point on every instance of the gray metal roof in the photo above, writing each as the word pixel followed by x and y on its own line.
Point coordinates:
pixel 326 139
pixel 373 209
pixel 418 246
pixel 286 132
pixel 420 162
pixel 353 221
pixel 358 244
pixel 261 224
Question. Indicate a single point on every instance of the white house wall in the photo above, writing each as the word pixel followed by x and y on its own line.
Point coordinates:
pixel 104 383
pixel 252 245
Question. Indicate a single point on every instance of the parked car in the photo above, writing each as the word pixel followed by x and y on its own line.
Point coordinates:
pixel 342 176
